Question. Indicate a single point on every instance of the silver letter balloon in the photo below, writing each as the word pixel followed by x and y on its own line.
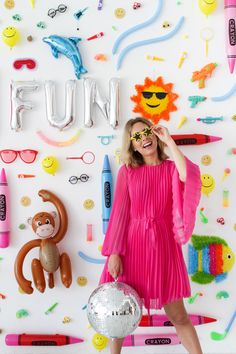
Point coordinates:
pixel 114 309
pixel 50 93
pixel 18 106
pixel 109 108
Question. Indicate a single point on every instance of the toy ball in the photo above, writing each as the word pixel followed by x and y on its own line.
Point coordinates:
pixel 114 309
pixel 207 6
pixel 10 36
pixel 99 341
pixel 50 165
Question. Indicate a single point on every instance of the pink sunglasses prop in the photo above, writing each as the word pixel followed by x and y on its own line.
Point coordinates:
pixel 27 155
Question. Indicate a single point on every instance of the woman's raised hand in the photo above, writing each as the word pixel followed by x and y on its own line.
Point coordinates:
pixel 162 133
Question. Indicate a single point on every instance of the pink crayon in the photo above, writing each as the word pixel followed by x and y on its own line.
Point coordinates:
pixel 4 211
pixel 135 340
pixel 162 320
pixel 230 30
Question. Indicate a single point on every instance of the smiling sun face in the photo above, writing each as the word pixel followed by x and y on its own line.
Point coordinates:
pixel 154 100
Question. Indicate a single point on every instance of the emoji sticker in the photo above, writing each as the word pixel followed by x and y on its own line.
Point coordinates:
pixel 88 204
pixel 154 99
pixel 9 4
pixel 206 160
pixel 82 281
pixel 119 12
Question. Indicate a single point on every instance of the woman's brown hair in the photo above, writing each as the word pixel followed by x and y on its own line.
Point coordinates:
pixel 131 157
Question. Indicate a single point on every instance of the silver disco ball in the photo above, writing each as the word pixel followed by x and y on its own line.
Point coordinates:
pixel 114 309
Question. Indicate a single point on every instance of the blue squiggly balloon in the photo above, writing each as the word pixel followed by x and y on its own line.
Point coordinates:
pixel 149 41
pixel 133 29
pixel 67 47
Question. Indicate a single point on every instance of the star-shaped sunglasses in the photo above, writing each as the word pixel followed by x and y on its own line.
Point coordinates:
pixel 137 136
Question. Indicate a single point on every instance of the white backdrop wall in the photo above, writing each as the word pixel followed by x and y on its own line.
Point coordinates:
pixel 133 71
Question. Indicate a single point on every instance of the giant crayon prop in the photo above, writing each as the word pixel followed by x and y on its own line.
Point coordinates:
pixel 4 211
pixel 106 193
pixel 194 139
pixel 230 32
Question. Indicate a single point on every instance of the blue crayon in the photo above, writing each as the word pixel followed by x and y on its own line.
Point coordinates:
pixel 106 193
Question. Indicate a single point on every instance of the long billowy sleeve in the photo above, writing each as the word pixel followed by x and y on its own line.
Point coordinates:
pixel 186 197
pixel 115 238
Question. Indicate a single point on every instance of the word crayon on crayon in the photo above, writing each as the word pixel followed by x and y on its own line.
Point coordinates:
pixel 135 340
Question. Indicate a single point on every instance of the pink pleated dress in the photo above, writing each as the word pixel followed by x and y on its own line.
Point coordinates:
pixel 140 230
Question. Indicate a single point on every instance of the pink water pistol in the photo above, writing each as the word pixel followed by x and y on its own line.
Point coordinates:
pixel 4 211
pixel 230 32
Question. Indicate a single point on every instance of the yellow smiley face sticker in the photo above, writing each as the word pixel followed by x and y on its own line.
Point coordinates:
pixel 206 160
pixel 208 184
pixel 119 12
pixel 154 99
pixel 9 4
pixel 25 201
pixel 88 204
pixel 82 281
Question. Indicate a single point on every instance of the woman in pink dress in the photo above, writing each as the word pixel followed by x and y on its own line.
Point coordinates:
pixel 153 214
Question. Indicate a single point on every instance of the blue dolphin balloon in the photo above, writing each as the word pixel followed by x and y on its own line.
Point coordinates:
pixel 68 47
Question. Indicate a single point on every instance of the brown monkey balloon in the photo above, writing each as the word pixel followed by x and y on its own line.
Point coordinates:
pixel 43 224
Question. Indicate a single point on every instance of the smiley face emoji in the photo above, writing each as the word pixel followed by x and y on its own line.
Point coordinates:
pixel 9 4
pixel 119 12
pixel 154 99
pixel 206 160
pixel 207 6
pixel 11 36
pixel 50 165
pixel 82 281
pixel 88 204
pixel 208 184
pixel 99 341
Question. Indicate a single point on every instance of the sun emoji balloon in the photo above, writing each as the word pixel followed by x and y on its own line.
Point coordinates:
pixel 154 99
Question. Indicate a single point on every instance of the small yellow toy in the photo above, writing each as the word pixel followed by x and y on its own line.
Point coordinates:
pixel 99 341
pixel 207 6
pixel 10 36
pixel 208 184
pixel 50 165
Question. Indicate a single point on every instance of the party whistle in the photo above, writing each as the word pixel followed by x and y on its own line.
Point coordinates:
pixel 210 120
pixel 105 139
pixel 182 59
pixel 98 35
pixel 23 175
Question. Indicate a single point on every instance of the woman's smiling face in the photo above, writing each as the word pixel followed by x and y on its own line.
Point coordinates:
pixel 146 144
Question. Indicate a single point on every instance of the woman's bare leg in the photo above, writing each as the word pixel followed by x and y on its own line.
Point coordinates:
pixel 116 345
pixel 186 332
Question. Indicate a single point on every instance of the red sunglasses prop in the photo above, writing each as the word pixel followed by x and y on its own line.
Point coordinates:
pixel 27 155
